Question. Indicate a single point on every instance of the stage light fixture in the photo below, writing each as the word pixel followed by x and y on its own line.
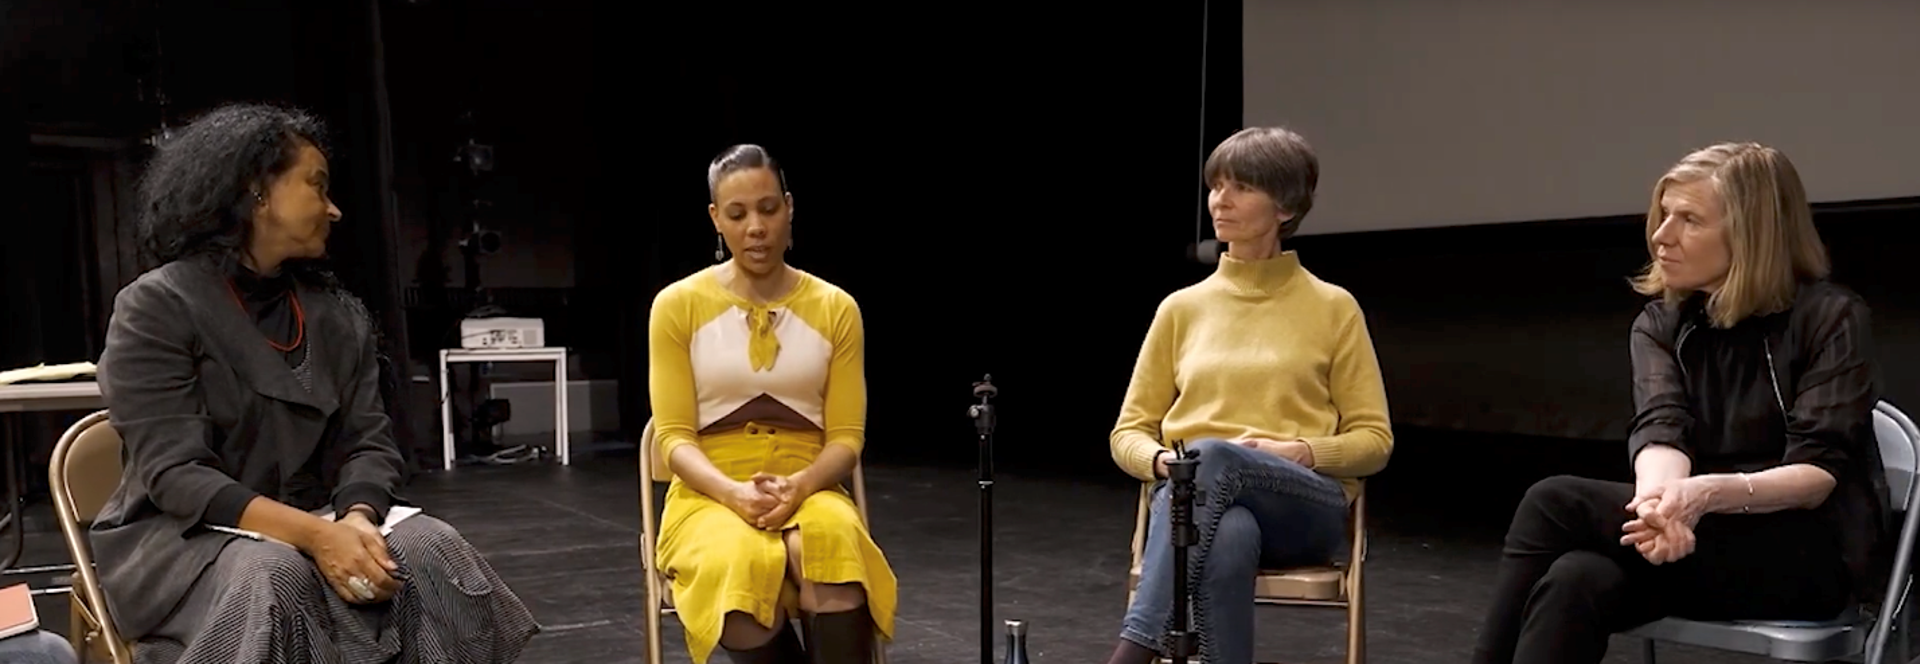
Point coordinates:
pixel 477 157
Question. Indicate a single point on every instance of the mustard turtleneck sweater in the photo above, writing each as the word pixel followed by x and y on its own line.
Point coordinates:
pixel 1259 349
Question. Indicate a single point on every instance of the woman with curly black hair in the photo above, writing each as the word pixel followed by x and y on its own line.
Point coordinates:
pixel 260 463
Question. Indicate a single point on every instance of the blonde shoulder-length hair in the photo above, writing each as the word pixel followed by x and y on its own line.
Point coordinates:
pixel 1769 228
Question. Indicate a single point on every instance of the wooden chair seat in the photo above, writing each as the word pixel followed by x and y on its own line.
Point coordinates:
pixel 1301 584
pixel 1338 585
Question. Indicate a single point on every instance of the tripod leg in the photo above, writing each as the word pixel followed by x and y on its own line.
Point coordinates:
pixel 986 570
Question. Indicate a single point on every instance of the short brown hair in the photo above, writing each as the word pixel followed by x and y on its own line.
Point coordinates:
pixel 1274 160
pixel 1769 226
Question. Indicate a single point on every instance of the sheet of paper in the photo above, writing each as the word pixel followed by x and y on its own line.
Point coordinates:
pixel 46 372
pixel 395 516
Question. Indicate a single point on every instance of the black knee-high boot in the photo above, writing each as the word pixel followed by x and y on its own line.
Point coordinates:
pixel 783 649
pixel 845 637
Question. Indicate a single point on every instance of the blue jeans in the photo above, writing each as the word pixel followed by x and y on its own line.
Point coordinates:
pixel 37 647
pixel 1253 511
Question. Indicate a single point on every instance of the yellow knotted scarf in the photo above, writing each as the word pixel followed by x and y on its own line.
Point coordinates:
pixel 762 345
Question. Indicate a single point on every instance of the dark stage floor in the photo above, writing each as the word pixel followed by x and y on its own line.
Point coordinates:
pixel 566 541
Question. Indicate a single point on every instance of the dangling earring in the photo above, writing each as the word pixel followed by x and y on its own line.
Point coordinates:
pixel 719 248
pixel 789 243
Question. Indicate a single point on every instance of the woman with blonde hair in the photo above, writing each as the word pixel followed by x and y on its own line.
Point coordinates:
pixel 1758 490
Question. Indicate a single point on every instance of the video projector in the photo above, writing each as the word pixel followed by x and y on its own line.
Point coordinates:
pixel 503 333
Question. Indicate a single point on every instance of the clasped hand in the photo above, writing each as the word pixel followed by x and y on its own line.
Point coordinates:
pixel 1296 451
pixel 353 558
pixel 1664 517
pixel 766 500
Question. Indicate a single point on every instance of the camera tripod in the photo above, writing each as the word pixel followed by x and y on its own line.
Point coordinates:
pixel 1181 470
pixel 983 421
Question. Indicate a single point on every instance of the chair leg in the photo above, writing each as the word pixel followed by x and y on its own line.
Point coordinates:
pixel 653 622
pixel 1356 631
pixel 77 624
pixel 1898 635
pixel 1646 650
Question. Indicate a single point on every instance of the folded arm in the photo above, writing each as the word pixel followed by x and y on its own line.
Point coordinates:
pixel 670 389
pixel 1796 486
pixel 1364 440
pixel 846 407
pixel 370 476
pixel 148 377
pixel 1135 440
pixel 1657 444
pixel 1834 402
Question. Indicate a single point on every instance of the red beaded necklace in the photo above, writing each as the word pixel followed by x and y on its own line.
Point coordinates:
pixel 299 318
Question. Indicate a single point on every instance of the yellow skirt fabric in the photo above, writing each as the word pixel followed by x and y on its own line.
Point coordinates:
pixel 719 563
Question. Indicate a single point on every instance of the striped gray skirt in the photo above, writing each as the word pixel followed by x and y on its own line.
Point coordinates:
pixel 266 603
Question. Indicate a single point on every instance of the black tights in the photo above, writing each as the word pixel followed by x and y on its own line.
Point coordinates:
pixel 1566 583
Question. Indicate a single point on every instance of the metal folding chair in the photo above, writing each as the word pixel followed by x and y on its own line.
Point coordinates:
pixel 84 473
pixel 653 468
pixel 1851 634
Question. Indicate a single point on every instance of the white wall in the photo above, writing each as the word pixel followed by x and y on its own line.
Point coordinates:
pixel 1437 113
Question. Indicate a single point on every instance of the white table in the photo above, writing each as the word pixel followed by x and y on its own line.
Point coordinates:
pixel 558 356
pixel 40 397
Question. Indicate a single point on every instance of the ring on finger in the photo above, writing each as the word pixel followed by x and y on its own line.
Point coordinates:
pixel 361 588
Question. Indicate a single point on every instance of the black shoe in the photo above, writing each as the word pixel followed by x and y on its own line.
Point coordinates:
pixel 840 638
pixel 783 649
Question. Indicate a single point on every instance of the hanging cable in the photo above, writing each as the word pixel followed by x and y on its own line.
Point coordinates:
pixel 157 95
pixel 1200 213
pixel 1203 250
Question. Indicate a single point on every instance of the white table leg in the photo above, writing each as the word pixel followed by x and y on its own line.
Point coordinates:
pixel 562 419
pixel 446 415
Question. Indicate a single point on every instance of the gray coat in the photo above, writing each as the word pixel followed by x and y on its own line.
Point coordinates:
pixel 203 402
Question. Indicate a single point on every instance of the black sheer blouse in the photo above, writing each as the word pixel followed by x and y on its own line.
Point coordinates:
pixel 1793 387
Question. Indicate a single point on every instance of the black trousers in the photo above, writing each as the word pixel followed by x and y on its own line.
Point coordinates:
pixel 1566 583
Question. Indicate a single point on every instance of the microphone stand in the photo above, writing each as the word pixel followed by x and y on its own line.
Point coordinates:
pixel 983 421
pixel 1181 470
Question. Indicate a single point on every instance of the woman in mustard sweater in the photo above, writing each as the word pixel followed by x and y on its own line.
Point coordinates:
pixel 758 381
pixel 1266 371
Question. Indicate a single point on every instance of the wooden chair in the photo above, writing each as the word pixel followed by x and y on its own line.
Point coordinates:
pixel 1335 586
pixel 653 468
pixel 84 473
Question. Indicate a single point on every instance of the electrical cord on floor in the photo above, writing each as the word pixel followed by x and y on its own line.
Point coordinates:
pixel 509 456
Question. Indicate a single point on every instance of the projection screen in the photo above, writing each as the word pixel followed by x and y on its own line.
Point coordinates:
pixel 1430 114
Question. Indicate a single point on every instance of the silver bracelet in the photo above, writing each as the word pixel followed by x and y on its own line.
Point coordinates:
pixel 1747 508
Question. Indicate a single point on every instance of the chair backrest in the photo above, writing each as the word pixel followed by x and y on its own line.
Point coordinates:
pixel 651 459
pixel 83 474
pixel 89 471
pixel 1899 452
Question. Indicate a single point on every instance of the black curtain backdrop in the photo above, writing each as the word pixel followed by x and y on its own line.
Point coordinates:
pixel 1006 190
pixel 19 344
pixel 324 58
pixel 341 75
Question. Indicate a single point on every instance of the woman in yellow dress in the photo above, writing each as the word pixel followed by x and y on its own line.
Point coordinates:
pixel 758 381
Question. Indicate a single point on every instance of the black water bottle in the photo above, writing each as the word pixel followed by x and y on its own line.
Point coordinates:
pixel 1017 642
